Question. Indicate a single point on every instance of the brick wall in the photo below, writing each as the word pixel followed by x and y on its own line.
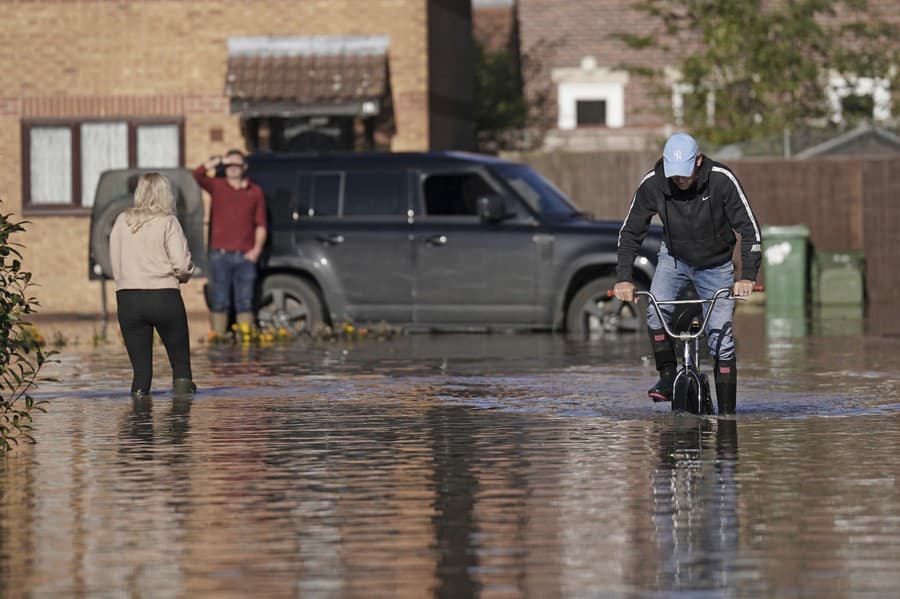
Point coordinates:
pixel 118 58
pixel 494 28
pixel 559 33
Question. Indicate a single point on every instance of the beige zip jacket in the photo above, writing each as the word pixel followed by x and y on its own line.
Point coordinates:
pixel 156 257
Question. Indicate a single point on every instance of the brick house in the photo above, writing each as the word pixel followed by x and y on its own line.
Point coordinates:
pixel 593 104
pixel 97 84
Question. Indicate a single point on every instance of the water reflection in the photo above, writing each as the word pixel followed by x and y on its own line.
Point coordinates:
pixel 786 321
pixel 514 466
pixel 695 514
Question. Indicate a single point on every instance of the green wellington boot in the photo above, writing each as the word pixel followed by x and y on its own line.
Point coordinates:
pixel 183 387
pixel 219 324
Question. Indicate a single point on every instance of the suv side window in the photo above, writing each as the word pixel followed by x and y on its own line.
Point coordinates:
pixel 357 193
pixel 454 194
pixel 375 193
pixel 325 194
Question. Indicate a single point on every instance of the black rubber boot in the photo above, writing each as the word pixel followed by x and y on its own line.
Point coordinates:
pixel 664 356
pixel 726 386
pixel 662 390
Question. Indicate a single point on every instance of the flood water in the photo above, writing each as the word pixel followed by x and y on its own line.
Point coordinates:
pixel 462 466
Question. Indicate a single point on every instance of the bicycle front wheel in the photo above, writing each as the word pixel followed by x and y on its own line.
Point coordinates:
pixel 686 394
pixel 706 406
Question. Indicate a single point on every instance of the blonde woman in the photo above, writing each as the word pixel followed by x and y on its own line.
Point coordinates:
pixel 150 259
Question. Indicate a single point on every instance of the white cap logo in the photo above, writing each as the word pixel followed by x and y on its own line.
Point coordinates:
pixel 677 154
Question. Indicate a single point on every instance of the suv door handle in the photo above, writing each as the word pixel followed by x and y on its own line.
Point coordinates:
pixel 331 239
pixel 435 240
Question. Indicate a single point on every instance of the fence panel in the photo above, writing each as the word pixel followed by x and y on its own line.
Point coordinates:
pixel 849 203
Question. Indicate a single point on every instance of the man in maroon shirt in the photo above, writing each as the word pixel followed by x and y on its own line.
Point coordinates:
pixel 237 222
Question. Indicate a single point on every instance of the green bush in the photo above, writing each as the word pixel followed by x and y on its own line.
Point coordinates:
pixel 21 356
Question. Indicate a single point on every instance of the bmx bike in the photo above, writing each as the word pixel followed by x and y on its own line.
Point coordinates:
pixel 690 391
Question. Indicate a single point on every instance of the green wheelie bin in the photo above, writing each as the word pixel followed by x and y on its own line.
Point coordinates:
pixel 786 263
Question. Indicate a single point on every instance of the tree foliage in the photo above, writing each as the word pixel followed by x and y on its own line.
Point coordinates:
pixel 21 356
pixel 764 66
pixel 506 116
pixel 499 103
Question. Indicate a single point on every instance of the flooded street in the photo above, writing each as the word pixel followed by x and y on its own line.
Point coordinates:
pixel 461 466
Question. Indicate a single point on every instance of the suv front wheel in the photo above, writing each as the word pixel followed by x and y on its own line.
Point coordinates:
pixel 592 311
pixel 288 302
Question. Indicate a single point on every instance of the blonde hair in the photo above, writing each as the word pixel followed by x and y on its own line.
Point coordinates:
pixel 153 197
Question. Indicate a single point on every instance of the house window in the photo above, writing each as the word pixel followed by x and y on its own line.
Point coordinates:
pixel 591 103
pixel 63 160
pixel 863 98
pixel 590 112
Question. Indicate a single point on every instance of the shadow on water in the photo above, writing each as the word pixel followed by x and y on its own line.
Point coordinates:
pixel 460 466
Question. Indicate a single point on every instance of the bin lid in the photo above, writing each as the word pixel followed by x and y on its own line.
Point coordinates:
pixel 853 258
pixel 785 231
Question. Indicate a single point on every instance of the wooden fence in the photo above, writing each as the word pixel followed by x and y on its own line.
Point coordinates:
pixel 849 203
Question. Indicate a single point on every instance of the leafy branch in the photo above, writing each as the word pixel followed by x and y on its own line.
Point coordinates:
pixel 751 69
pixel 21 355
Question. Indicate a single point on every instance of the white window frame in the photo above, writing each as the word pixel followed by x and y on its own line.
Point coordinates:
pixel 590 82
pixel 877 87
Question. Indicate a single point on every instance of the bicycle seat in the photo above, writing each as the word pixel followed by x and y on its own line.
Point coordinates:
pixel 686 317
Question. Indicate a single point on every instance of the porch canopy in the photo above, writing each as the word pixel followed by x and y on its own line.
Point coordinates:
pixel 306 76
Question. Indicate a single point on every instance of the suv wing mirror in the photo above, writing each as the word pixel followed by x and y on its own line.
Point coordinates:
pixel 491 208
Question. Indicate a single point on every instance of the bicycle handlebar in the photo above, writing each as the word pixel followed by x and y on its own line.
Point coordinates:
pixel 723 293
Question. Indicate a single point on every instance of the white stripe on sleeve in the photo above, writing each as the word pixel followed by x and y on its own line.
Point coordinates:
pixel 633 198
pixel 743 197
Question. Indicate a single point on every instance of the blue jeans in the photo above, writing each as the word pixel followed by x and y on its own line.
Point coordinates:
pixel 672 275
pixel 231 273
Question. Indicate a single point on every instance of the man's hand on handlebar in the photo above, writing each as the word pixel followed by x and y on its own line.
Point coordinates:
pixel 743 288
pixel 624 291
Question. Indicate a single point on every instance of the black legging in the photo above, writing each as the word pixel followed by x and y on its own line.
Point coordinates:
pixel 140 310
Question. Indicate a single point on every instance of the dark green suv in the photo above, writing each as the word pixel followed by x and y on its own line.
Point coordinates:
pixel 434 241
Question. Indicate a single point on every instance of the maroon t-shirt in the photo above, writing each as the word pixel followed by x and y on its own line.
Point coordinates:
pixel 234 214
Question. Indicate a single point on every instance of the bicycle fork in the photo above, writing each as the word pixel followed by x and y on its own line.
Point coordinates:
pixel 690 377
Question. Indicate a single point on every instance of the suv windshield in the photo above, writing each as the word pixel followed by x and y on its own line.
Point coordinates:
pixel 539 193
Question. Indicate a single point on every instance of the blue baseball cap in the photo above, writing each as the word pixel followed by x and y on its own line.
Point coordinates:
pixel 680 155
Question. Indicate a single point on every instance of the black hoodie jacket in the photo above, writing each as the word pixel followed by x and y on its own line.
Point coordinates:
pixel 698 224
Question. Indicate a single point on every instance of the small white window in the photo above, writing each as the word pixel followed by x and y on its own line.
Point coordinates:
pixel 590 96
pixel 157 146
pixel 865 97
pixel 51 165
pixel 103 146
pixel 582 104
